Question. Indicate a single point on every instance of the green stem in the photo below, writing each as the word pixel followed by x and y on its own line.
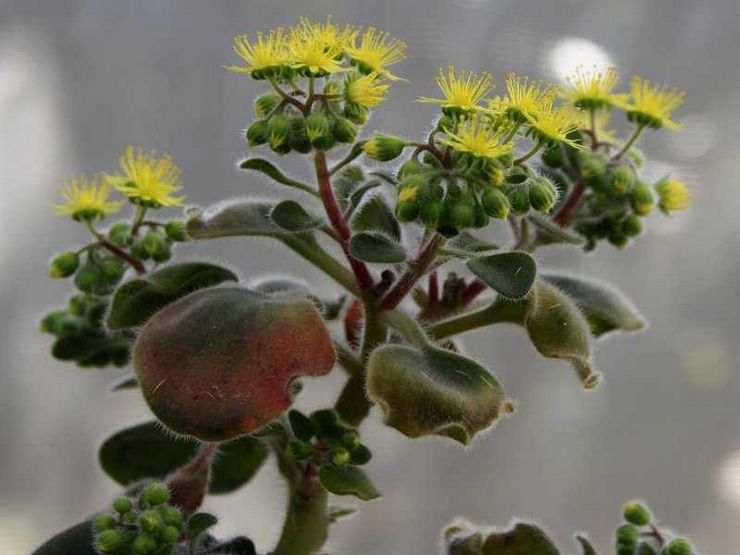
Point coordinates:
pixel 354 153
pixel 632 141
pixel 138 220
pixel 513 131
pixel 286 97
pixel 535 149
pixel 324 262
pixel 407 326
pixel 497 312
pixel 306 524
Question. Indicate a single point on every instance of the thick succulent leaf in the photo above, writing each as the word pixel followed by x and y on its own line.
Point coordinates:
pixel 358 195
pixel 549 233
pixel 431 391
pixel 376 215
pixel 138 299
pixel 522 539
pixel 198 524
pixel 77 540
pixel 127 457
pixel 511 274
pixel 586 546
pixel 465 245
pixel 605 308
pixel 270 170
pixel 303 428
pixel 347 480
pixel 558 329
pixel 376 247
pixel 291 216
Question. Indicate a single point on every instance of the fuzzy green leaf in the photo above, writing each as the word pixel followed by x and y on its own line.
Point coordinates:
pixel 605 308
pixel 406 381
pixel 124 382
pixel 586 546
pixel 77 540
pixel 376 247
pixel 549 233
pixel 347 480
pixel 291 216
pixel 522 539
pixel 135 301
pixel 465 244
pixel 375 215
pixel 557 329
pixel 198 524
pixel 127 457
pixel 511 274
pixel 272 171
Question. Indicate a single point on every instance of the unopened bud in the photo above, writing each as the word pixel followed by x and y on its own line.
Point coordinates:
pixel 110 541
pixel 384 147
pixel 156 494
pixel 519 200
pixel 642 198
pixel 344 131
pixel 495 203
pixel 64 265
pixel 257 133
pixel 278 133
pixel 266 104
pixel 176 230
pixel 339 456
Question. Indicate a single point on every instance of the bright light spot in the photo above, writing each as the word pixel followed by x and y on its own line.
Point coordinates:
pixel 727 481
pixel 571 52
pixel 700 137
pixel 707 363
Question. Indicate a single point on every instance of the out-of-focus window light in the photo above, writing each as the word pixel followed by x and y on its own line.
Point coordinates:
pixel 571 52
pixel 728 479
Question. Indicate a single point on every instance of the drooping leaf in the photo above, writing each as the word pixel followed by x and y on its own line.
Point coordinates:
pixel 549 233
pixel 522 539
pixel 357 196
pixel 605 308
pixel 291 216
pixel 80 347
pixel 376 247
pixel 557 329
pixel 406 381
pixel 124 382
pixel 302 426
pixel 269 169
pixel 337 513
pixel 77 540
pixel 198 524
pixel 376 215
pixel 586 546
pixel 347 480
pixel 465 245
pixel 511 274
pixel 135 301
pixel 147 451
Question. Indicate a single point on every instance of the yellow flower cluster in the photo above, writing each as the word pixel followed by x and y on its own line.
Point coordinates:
pixel 146 179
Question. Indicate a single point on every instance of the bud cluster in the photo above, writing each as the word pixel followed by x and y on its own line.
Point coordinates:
pixel 324 439
pixel 142 526
pixel 640 536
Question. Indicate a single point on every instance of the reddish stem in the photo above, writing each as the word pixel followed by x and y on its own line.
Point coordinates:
pixel 417 269
pixel 361 271
pixel 563 214
pixel 123 255
pixel 433 288
pixel 474 288
pixel 189 484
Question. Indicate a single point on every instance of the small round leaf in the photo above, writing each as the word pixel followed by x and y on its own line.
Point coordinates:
pixel 509 273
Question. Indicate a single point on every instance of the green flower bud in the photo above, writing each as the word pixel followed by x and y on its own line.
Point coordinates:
pixel 170 534
pixel 64 265
pixel 103 522
pixel 344 130
pixel 350 440
pixel 636 513
pixel 339 456
pixel 110 541
pixel 432 190
pixel 118 234
pixel 266 104
pixel 632 227
pixel 298 135
pixel 150 521
pixel 152 242
pixel 156 494
pixel 299 450
pixel 144 544
pixel 625 550
pixel 627 535
pixel 430 213
pixel 278 133
pixel 89 277
pixel 122 505
pixel 480 218
pixel 324 143
pixel 542 194
pixel 113 270
pixel 642 198
pixel 410 167
pixel 495 203
pixel 460 213
pixel 176 230
pixel 356 113
pixel 51 323
pixel 619 240
pixel 257 133
pixel 621 178
pixel 317 126
pixel 384 147
pixel 171 516
pixel 553 157
pixel 163 254
pixel 679 546
pixel 593 171
pixel 519 200
pixel 407 211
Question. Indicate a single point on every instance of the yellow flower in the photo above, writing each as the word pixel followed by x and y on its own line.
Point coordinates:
pixel 408 194
pixel 147 179
pixel 525 98
pixel 376 52
pixel 330 34
pixel 554 124
pixel 673 195
pixel 592 90
pixel 652 104
pixel 269 51
pixel 365 90
pixel 86 198
pixel 475 136
pixel 309 49
pixel 463 91
pixel 602 118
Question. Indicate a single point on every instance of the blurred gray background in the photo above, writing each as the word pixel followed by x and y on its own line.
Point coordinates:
pixel 80 79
